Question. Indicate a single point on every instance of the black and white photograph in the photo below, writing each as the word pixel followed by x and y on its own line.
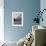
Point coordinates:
pixel 17 18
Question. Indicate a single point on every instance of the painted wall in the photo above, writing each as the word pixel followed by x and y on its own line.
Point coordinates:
pixel 43 6
pixel 29 8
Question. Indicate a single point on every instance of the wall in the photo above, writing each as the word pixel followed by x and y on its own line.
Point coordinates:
pixel 43 6
pixel 29 8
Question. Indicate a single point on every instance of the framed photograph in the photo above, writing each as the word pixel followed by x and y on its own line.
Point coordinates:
pixel 17 18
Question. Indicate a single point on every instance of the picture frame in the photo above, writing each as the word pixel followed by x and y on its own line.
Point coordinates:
pixel 17 18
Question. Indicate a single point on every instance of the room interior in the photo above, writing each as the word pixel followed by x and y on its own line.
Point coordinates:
pixel 20 36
